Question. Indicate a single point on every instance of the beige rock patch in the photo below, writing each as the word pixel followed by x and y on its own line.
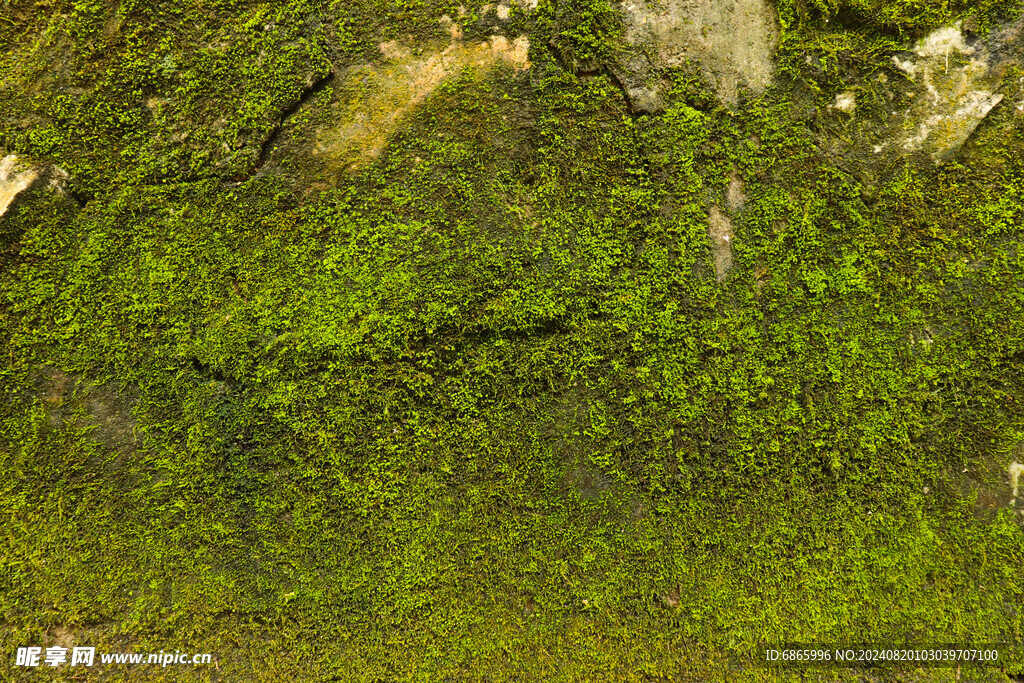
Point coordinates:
pixel 454 29
pixel 939 42
pixel 733 40
pixel 720 228
pixel 15 178
pixel 846 102
pixel 734 197
pixel 62 636
pixel 720 233
pixel 380 96
pixel 1015 470
pixel 106 409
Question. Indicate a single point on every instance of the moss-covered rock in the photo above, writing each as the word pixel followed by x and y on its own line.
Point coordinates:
pixel 417 341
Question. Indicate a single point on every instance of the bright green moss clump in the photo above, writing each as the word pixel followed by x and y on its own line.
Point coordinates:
pixel 482 411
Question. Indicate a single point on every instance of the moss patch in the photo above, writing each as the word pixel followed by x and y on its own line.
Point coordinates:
pixel 479 409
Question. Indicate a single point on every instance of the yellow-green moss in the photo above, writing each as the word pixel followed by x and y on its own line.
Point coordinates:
pixel 481 411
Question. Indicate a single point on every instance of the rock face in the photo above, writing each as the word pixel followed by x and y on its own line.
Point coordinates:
pixel 846 102
pixel 1015 470
pixel 720 233
pixel 15 178
pixel 17 175
pixel 925 106
pixel 720 228
pixel 71 401
pixel 382 94
pixel 733 42
pixel 957 85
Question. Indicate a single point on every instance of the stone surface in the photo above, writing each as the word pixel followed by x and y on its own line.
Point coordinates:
pixel 16 176
pixel 957 84
pixel 734 197
pixel 720 233
pixel 925 106
pixel 381 95
pixel 846 102
pixel 1015 470
pixel 733 41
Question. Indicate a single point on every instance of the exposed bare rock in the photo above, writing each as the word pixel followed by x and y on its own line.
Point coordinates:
pixel 720 228
pixel 15 178
pixel 957 85
pixel 846 102
pixel 926 107
pixel 640 81
pixel 720 232
pixel 734 197
pixel 1015 470
pixel 383 94
pixel 733 41
pixel 17 175
pixel 72 401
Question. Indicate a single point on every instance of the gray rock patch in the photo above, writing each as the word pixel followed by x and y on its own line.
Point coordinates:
pixel 733 41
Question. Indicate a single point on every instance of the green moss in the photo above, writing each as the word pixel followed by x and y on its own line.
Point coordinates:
pixel 481 411
pixel 584 33
pixel 904 17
